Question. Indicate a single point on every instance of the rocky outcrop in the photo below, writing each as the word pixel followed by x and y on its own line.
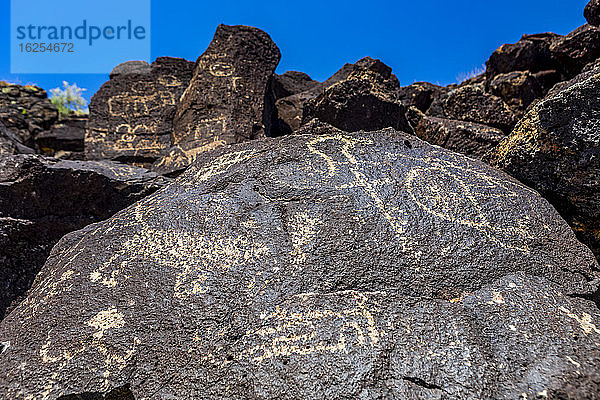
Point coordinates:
pixel 555 150
pixel 11 143
pixel 577 49
pixel 26 111
pixel 131 116
pixel 420 95
pixel 471 103
pixel 42 199
pixel 592 12
pixel 518 90
pixel 531 53
pixel 292 82
pixel 301 268
pixel 366 100
pixel 65 139
pixel 229 99
pixel 473 140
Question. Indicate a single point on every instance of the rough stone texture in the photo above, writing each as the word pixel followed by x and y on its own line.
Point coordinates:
pixel 556 150
pixel 290 108
pixel 11 143
pixel 577 49
pixel 592 12
pixel 365 266
pixel 130 67
pixel 26 110
pixel 420 95
pixel 366 100
pixel 518 89
pixel 292 82
pixel 473 140
pixel 471 103
pixel 65 138
pixel 42 199
pixel 531 53
pixel 229 99
pixel 131 116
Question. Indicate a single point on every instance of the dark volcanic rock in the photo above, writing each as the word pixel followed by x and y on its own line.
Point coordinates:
pixel 42 199
pixel 366 100
pixel 131 116
pixel 518 89
pixel 229 99
pixel 292 82
pixel 420 95
pixel 11 143
pixel 26 110
pixel 291 108
pixel 592 12
pixel 531 53
pixel 467 138
pixel 66 137
pixel 471 103
pixel 370 265
pixel 130 67
pixel 555 149
pixel 578 48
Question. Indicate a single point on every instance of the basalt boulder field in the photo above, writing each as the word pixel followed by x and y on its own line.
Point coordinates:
pixel 226 230
pixel 299 268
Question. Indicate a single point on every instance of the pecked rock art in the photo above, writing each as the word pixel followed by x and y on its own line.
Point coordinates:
pixel 229 98
pixel 131 116
pixel 367 265
pixel 43 199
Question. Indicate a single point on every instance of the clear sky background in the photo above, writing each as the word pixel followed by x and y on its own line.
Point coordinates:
pixel 435 40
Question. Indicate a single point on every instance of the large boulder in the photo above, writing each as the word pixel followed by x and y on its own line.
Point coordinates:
pixel 468 138
pixel 26 110
pixel 368 265
pixel 555 149
pixel 577 49
pixel 518 89
pixel 471 103
pixel 367 100
pixel 131 116
pixel 292 82
pixel 592 12
pixel 65 138
pixel 42 199
pixel 229 99
pixel 11 143
pixel 531 53
pixel 291 108
pixel 420 95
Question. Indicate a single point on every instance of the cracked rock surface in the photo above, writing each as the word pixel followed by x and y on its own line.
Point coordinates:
pixel 367 266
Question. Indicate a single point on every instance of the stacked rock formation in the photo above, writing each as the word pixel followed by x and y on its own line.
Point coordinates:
pixel 345 239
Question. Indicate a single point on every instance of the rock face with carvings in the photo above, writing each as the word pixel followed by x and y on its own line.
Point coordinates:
pixel 131 116
pixel 42 199
pixel 300 268
pixel 229 98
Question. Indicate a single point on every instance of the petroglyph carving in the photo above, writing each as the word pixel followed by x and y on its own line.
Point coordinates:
pixel 221 69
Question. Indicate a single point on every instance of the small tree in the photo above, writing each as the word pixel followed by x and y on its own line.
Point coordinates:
pixel 69 99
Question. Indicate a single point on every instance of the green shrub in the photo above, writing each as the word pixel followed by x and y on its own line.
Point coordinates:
pixel 69 99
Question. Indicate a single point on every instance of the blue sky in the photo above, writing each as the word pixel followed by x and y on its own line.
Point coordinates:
pixel 435 40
